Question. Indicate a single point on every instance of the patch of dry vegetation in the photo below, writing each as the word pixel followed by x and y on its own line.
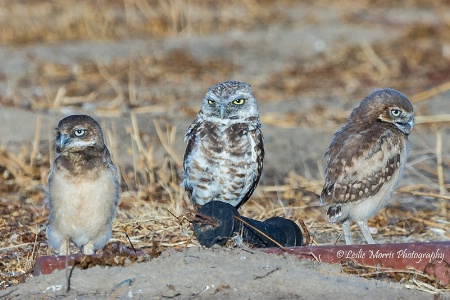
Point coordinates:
pixel 153 207
pixel 33 21
pixel 115 88
pixel 415 62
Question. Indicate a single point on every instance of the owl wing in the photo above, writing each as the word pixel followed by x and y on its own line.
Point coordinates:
pixel 114 173
pixel 192 129
pixel 257 142
pixel 360 163
pixel 190 138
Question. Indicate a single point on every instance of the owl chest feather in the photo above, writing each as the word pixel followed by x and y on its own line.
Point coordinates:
pixel 229 151
pixel 359 185
pixel 222 163
pixel 82 202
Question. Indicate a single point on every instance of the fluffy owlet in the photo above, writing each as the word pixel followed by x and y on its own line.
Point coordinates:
pixel 224 154
pixel 366 159
pixel 83 187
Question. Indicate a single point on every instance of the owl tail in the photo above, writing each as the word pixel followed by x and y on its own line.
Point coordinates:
pixel 333 213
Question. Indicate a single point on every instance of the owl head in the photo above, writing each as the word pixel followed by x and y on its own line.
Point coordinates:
pixel 77 132
pixel 230 100
pixel 386 105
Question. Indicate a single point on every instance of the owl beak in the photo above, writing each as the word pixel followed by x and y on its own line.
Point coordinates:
pixel 223 111
pixel 406 124
pixel 411 122
pixel 63 140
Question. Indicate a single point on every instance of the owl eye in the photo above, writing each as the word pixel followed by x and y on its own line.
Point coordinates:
pixel 79 132
pixel 239 101
pixel 211 102
pixel 396 112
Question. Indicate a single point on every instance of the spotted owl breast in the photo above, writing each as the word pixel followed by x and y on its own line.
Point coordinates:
pixel 223 164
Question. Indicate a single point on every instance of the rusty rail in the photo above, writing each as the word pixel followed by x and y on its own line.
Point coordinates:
pixel 432 258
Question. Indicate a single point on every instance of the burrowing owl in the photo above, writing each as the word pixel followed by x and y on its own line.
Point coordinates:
pixel 83 187
pixel 224 154
pixel 366 159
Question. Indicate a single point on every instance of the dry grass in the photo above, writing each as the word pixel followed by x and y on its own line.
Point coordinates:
pixel 413 63
pixel 52 21
pixel 153 207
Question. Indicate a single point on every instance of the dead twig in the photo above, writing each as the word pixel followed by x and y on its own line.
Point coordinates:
pixel 166 144
pixel 196 217
pixel 440 170
pixel 306 234
pixel 431 92
pixel 262 233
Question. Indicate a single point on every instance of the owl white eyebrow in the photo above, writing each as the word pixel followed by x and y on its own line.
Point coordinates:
pixel 83 143
pixel 397 108
pixel 241 96
pixel 213 98
pixel 79 128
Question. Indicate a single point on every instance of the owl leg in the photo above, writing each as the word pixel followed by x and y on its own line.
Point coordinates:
pixel 347 232
pixel 67 244
pixel 64 246
pixel 365 230
pixel 56 240
pixel 88 249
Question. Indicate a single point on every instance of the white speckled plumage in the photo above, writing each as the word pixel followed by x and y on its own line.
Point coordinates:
pixel 224 154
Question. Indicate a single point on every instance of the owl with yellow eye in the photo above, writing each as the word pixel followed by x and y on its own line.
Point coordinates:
pixel 224 154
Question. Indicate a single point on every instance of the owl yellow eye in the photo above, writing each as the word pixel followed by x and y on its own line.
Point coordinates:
pixel 211 102
pixel 396 112
pixel 79 132
pixel 239 101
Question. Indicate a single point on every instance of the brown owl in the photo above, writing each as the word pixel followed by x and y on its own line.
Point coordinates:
pixel 83 187
pixel 366 159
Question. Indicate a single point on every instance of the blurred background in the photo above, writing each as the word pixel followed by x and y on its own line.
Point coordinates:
pixel 142 67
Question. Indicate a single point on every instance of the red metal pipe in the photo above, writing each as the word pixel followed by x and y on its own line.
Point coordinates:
pixel 45 265
pixel 431 258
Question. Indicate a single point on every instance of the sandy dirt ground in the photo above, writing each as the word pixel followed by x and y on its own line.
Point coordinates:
pixel 212 274
pixel 299 118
